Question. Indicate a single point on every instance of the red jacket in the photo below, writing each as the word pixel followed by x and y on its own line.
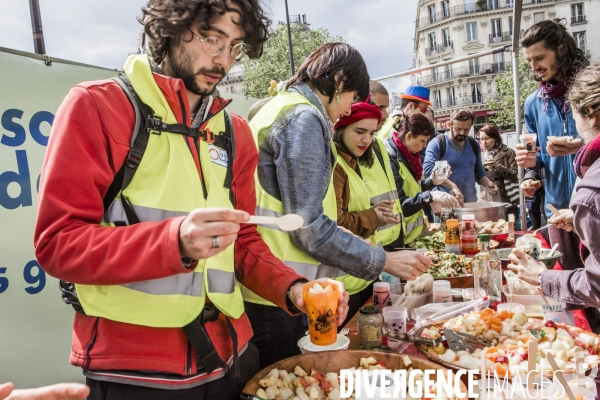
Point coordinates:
pixel 88 144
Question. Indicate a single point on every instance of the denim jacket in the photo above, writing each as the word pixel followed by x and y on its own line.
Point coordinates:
pixel 295 166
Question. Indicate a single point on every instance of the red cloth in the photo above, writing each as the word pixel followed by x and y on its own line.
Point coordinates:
pixel 413 160
pixel 360 110
pixel 89 142
pixel 580 318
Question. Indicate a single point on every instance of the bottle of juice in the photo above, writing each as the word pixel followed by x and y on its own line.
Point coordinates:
pixel 452 239
pixel 468 237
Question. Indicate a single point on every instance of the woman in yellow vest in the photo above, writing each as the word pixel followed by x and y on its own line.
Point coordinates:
pixel 294 133
pixel 353 137
pixel 403 147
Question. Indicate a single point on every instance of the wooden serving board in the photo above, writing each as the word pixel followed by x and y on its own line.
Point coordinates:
pixel 334 361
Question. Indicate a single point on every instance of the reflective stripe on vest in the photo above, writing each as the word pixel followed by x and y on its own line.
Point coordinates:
pixel 278 241
pixel 167 185
pixel 414 223
pixel 359 201
pixel 382 186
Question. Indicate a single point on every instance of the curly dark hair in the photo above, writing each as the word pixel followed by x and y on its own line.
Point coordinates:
pixel 164 22
pixel 321 66
pixel 555 37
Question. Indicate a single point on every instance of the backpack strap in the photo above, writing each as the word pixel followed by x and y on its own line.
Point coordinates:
pixel 226 141
pixel 474 145
pixel 442 143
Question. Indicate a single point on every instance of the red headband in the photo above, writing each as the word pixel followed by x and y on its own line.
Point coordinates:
pixel 361 110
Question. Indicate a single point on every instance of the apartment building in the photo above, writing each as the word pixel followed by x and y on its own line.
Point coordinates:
pixel 450 29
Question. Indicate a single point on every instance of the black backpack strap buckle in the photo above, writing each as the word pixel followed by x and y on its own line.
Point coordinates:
pixel 154 125
pixel 134 157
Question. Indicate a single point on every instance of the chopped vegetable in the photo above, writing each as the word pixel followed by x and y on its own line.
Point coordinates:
pixel 537 333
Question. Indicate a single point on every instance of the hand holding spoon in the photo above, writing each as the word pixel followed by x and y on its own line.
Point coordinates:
pixel 289 222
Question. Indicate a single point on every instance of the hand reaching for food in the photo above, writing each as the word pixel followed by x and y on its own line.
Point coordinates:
pixel 445 199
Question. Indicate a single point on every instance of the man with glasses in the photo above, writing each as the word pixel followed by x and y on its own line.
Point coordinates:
pixel 465 160
pixel 140 225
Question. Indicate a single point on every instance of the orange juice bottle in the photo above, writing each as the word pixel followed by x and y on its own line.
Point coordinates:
pixel 452 238
pixel 321 309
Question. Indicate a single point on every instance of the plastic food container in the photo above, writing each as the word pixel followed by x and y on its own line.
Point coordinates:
pixel 410 302
pixel 529 297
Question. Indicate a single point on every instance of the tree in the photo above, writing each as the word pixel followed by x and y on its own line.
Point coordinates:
pixel 275 61
pixel 504 103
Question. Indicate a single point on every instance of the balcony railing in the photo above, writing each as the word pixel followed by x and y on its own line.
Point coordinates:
pixel 472 8
pixel 461 72
pixel 580 19
pixel 503 37
pixel 439 49
pixel 467 100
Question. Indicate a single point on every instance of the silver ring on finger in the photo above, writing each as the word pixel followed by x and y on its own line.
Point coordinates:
pixel 215 242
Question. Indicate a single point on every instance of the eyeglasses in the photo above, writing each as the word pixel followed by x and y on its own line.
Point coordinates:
pixel 464 116
pixel 213 46
pixel 421 108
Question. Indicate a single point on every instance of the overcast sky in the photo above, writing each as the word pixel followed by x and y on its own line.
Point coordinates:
pixel 104 32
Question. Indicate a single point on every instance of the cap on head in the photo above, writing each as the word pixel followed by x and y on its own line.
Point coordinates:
pixel 418 93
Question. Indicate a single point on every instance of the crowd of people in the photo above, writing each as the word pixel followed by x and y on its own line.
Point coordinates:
pixel 177 295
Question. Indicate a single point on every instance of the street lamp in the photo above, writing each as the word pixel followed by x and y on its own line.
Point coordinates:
pixel 287 14
pixel 36 24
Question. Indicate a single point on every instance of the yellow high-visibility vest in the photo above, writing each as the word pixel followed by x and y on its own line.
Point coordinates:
pixel 165 185
pixel 279 241
pixel 381 184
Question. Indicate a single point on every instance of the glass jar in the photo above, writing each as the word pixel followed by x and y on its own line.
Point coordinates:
pixel 370 323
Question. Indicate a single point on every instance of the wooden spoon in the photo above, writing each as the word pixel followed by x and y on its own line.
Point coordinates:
pixel 289 222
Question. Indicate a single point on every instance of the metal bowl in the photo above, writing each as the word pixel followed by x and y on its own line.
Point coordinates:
pixel 502 254
pixel 492 211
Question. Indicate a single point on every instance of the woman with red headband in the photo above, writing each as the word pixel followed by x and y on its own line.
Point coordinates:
pixel 353 137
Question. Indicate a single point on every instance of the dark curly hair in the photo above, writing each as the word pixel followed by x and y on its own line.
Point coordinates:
pixel 164 22
pixel 555 37
pixel 321 66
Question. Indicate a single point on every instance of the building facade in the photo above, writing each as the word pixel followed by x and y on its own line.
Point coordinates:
pixel 450 29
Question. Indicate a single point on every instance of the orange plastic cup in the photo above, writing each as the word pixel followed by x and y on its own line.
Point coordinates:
pixel 321 310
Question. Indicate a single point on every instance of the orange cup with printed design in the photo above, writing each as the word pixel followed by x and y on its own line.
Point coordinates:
pixel 321 301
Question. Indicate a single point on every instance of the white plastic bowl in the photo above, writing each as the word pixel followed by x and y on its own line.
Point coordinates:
pixel 306 346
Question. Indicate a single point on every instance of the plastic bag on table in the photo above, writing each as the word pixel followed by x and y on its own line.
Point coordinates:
pixel 439 312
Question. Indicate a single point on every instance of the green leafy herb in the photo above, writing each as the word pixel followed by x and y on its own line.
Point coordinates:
pixel 538 334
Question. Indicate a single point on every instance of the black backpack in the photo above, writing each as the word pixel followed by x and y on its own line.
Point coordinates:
pixel 442 143
pixel 147 123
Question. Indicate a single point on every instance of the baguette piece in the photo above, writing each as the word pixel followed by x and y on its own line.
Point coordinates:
pixel 560 140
